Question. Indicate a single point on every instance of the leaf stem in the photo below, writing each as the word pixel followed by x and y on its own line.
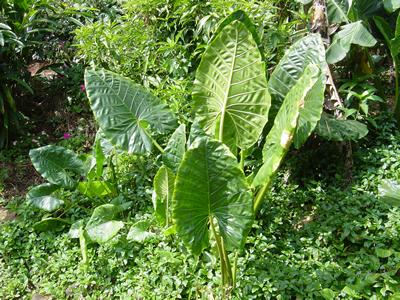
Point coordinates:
pixel 242 159
pixel 220 253
pixel 261 195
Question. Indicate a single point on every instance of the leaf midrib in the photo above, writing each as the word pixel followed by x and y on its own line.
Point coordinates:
pixel 223 111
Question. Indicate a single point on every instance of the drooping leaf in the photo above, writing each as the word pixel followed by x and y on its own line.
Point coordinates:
pixel 210 184
pixel 54 162
pixel 40 197
pixel 50 223
pixel 338 10
pixel 365 10
pixel 139 232
pixel 124 110
pixel 230 89
pixel 333 129
pixel 102 227
pixel 281 135
pixel 173 153
pixel 353 33
pixel 289 70
pixel 389 192
pixel 95 188
pixel 391 5
pixel 384 28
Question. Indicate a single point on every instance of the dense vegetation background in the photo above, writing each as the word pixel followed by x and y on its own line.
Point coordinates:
pixel 322 231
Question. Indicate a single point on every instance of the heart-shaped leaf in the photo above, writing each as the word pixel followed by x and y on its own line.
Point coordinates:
pixel 139 232
pixel 40 197
pixel 54 162
pixel 230 89
pixel 124 109
pixel 101 226
pixel 210 184
pixel 96 188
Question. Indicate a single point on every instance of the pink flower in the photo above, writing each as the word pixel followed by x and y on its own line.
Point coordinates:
pixel 67 136
pixel 37 104
pixel 82 87
pixel 14 143
pixel 62 77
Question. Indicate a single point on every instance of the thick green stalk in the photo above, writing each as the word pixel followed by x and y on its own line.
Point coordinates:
pixel 261 195
pixel 378 84
pixel 397 103
pixel 242 157
pixel 220 253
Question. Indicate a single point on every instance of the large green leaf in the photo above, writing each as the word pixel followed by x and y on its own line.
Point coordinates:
pixel 173 153
pixel 391 5
pixel 353 33
pixel 389 192
pixel 338 10
pixel 40 197
pixel 281 135
pixel 54 162
pixel 102 227
pixel 139 232
pixel 333 129
pixel 124 110
pixel 289 70
pixel 210 184
pixel 230 89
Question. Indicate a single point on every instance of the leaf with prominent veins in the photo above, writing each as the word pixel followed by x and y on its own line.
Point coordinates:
pixel 230 91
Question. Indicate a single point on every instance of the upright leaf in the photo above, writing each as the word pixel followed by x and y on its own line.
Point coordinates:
pixel 124 110
pixel 210 184
pixel 173 153
pixel 102 227
pixel 230 89
pixel 338 10
pixel 54 162
pixel 164 187
pixel 289 70
pixel 280 137
pixel 40 197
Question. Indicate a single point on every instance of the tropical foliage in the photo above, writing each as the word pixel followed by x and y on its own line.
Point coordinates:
pixel 195 107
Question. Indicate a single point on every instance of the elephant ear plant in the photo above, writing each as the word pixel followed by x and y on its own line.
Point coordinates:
pixel 201 191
